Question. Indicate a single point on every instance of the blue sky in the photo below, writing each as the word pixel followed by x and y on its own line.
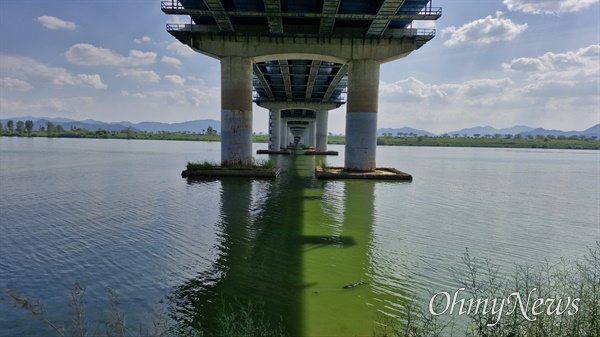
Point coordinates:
pixel 499 63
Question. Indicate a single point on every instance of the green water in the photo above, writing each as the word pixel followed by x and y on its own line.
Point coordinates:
pixel 294 243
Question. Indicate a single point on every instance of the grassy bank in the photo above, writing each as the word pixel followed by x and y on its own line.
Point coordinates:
pixel 542 142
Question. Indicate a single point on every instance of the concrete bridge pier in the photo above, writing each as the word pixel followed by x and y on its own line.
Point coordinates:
pixel 236 111
pixel 312 133
pixel 361 115
pixel 274 130
pixel 321 134
pixel 283 133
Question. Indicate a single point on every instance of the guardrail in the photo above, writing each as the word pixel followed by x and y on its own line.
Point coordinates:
pixel 406 32
pixel 425 13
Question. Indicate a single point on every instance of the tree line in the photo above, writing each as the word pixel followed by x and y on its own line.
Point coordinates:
pixel 49 129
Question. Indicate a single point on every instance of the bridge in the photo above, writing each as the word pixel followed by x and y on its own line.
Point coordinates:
pixel 300 59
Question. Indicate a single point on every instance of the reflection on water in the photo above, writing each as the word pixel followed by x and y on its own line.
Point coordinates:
pixel 300 245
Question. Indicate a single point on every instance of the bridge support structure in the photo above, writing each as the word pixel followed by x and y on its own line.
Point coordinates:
pixel 236 111
pixel 362 56
pixel 361 115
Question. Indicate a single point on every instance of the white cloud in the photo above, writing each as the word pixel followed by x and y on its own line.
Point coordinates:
pixel 582 62
pixel 175 79
pixel 171 60
pixel 74 104
pixel 189 97
pixel 483 31
pixel 554 86
pixel 28 69
pixel 548 6
pixel 574 73
pixel 52 22
pixel 88 55
pixel 196 79
pixel 410 89
pixel 143 39
pixel 180 49
pixel 13 84
pixel 140 75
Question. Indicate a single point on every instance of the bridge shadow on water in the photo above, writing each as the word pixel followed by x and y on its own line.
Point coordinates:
pixel 299 245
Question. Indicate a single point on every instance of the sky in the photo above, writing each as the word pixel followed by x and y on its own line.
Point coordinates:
pixel 496 63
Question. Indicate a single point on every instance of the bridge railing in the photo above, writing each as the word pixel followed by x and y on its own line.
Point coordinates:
pixel 400 32
pixel 426 13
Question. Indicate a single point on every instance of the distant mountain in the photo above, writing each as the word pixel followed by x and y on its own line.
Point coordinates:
pixel 193 126
pixel 405 130
pixel 93 125
pixel 593 131
pixel 202 125
pixel 82 125
pixel 488 130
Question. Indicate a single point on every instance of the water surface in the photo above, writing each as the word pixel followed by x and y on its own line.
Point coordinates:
pixel 116 213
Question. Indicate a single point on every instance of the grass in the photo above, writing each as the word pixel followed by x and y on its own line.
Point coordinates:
pixel 553 286
pixel 323 165
pixel 258 164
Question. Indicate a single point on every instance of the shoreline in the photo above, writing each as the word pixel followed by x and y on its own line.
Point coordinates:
pixel 541 143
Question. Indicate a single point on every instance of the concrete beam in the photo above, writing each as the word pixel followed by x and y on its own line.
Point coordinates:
pixel 222 20
pixel 388 7
pixel 335 82
pixel 273 7
pixel 331 49
pixel 327 23
pixel 263 81
pixel 315 106
pixel 312 76
pixel 236 111
pixel 287 82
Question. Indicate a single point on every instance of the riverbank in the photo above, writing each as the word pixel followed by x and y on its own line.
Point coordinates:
pixel 542 142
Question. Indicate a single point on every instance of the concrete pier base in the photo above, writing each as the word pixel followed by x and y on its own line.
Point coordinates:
pixel 361 141
pixel 380 173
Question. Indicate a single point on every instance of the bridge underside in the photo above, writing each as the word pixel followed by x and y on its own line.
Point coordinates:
pixel 300 59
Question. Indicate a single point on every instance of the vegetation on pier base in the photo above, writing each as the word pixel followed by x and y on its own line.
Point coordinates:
pixel 258 164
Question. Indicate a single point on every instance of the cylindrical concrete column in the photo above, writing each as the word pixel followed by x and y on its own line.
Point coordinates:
pixel 274 129
pixel 361 116
pixel 282 133
pixel 322 130
pixel 313 133
pixel 236 111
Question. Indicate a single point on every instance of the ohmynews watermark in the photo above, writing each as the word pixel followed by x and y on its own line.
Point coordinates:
pixel 502 306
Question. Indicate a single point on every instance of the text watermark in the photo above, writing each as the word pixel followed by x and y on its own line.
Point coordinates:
pixel 502 306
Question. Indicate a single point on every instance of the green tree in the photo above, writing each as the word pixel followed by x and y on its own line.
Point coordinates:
pixel 20 127
pixel 10 125
pixel 211 131
pixel 28 126
pixel 50 128
pixel 60 128
pixel 128 132
pixel 0 127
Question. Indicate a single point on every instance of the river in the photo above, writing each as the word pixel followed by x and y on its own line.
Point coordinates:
pixel 116 213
